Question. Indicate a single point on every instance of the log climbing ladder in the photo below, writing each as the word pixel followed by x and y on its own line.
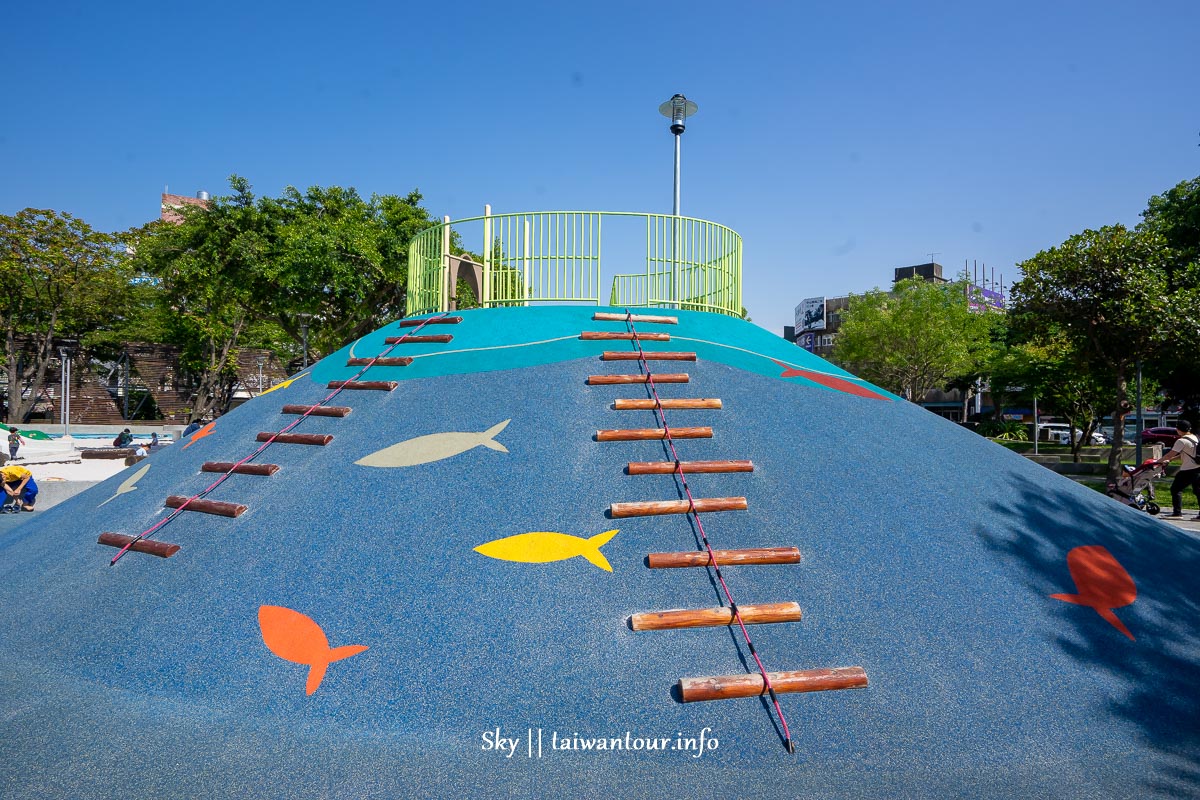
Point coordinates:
pixel 142 543
pixel 714 687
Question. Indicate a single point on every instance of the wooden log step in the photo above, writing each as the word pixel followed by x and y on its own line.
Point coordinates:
pixel 660 355
pixel 725 558
pixel 656 507
pixel 714 617
pixel 668 467
pixel 650 434
pixel 316 411
pixel 611 317
pixel 614 380
pixel 439 338
pixel 239 469
pixel 206 506
pixel 385 386
pixel 412 323
pixel 722 687
pixel 107 452
pixel 119 540
pixel 321 439
pixel 614 336
pixel 630 404
pixel 381 361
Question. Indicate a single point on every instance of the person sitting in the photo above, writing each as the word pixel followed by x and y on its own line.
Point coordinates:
pixel 153 440
pixel 19 486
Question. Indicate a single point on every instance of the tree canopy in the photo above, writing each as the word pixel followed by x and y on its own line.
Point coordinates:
pixel 245 269
pixel 915 338
pixel 1103 295
pixel 61 279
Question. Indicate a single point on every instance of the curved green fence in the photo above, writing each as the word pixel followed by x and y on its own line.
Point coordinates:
pixel 555 257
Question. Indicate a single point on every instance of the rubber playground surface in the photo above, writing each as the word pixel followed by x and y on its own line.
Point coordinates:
pixel 434 603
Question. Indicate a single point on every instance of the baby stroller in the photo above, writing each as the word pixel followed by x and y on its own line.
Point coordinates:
pixel 1135 486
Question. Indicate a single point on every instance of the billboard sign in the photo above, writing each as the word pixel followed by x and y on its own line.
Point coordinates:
pixel 810 314
pixel 807 341
pixel 981 299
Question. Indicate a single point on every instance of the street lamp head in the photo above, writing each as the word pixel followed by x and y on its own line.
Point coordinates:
pixel 678 109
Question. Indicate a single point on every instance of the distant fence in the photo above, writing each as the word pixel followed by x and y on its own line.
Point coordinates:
pixel 555 257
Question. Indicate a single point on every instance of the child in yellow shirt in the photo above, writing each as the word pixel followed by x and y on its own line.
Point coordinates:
pixel 19 486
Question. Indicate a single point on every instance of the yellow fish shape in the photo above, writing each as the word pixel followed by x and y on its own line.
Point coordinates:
pixel 540 547
pixel 282 384
pixel 433 447
pixel 129 484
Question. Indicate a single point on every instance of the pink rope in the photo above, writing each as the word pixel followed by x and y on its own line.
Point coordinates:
pixel 712 558
pixel 162 522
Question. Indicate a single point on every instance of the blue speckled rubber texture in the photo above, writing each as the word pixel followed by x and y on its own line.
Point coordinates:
pixel 929 557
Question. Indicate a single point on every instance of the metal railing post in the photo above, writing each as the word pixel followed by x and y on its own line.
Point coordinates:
pixel 447 289
pixel 486 302
pixel 525 254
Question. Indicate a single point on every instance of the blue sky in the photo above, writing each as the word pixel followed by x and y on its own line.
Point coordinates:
pixel 840 140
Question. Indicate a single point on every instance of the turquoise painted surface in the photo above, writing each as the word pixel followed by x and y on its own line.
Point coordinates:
pixel 512 338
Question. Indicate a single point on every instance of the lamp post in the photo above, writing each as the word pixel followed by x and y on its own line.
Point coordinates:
pixel 304 318
pixel 260 375
pixel 65 412
pixel 678 109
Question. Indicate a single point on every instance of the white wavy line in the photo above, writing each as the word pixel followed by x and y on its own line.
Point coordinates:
pixel 493 347
pixel 770 358
pixel 673 338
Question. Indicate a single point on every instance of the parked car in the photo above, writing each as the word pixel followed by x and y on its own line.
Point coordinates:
pixel 1068 438
pixel 1164 436
pixel 1107 430
pixel 1052 431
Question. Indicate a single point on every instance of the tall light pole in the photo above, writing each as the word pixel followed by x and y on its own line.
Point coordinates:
pixel 260 377
pixel 65 412
pixel 677 109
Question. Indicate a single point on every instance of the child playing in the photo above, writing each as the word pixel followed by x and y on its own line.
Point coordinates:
pixel 14 443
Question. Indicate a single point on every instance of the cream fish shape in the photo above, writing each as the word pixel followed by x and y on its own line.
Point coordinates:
pixel 129 484
pixel 434 447
pixel 541 547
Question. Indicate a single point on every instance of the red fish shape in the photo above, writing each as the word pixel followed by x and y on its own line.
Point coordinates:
pixel 1102 583
pixel 200 434
pixel 294 637
pixel 830 381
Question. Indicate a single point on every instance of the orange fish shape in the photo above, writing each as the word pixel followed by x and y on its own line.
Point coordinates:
pixel 830 381
pixel 1102 583
pixel 200 434
pixel 294 637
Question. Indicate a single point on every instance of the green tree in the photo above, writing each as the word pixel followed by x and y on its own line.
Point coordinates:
pixel 61 278
pixel 1175 215
pixel 206 267
pixel 339 258
pixel 1105 294
pixel 915 338
pixel 1049 370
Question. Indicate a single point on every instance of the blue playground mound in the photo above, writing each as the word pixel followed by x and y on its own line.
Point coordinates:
pixel 433 603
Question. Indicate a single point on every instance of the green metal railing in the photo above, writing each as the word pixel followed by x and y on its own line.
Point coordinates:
pixel 554 257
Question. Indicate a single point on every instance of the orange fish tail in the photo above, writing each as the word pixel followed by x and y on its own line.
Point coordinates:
pixel 1113 620
pixel 1077 599
pixel 316 674
pixel 338 653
